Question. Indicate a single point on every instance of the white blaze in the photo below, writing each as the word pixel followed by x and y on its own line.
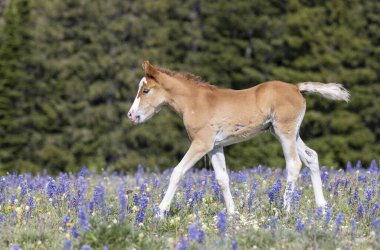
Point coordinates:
pixel 136 102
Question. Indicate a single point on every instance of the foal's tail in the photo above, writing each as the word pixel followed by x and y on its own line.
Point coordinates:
pixel 332 91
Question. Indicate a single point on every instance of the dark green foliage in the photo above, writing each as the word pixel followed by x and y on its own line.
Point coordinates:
pixel 69 72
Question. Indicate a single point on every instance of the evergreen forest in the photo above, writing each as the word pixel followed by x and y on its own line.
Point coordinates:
pixel 69 72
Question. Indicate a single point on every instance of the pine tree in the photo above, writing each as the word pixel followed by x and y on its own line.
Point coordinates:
pixel 14 79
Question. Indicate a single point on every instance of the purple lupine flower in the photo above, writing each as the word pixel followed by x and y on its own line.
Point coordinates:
pixel 123 202
pixel 273 192
pixel 376 224
pixel 105 247
pixel 349 167
pixel 241 177
pixel 83 220
pixel 250 199
pixel 354 228
pixel 1 218
pixel 234 245
pixel 356 194
pixel 195 233
pixel 339 221
pixel 30 202
pixel 183 244
pixel 360 210
pixel 65 220
pixel 51 187
pixel 368 194
pixel 358 164
pixel 99 196
pixel 300 225
pixel 86 247
pixel 68 245
pixel 318 213
pixel 84 172
pixel 136 199
pixel 15 246
pixel 374 208
pixel 324 174
pixel 328 215
pixel 156 182
pixel 74 232
pixel 24 190
pixel 215 185
pixel 222 222
pixel 296 198
pixel 2 198
pixel 140 216
pixel 3 184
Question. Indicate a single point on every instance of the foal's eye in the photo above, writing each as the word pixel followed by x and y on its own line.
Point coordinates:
pixel 146 91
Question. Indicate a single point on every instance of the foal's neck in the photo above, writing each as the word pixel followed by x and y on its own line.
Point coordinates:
pixel 181 94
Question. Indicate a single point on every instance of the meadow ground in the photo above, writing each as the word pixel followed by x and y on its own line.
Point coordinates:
pixel 88 210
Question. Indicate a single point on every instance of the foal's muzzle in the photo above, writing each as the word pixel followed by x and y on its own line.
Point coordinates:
pixel 133 117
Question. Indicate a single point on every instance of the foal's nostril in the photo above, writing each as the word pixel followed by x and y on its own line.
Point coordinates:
pixel 129 114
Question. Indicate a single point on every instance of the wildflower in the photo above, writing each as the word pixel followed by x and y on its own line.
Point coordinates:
pixel 368 195
pixel 241 177
pixel 324 174
pixel 65 221
pixel 300 225
pixel 318 213
pixel 354 228
pixel 86 247
pixel 273 192
pixel 196 234
pixel 123 203
pixel 183 244
pixel 339 221
pixel 222 222
pixel 360 210
pixel 356 194
pixel 140 216
pixel 99 197
pixel 68 245
pixel 9 208
pixel 15 246
pixel 83 220
pixel 328 214
pixel 73 232
pixel 234 245
pixel 84 172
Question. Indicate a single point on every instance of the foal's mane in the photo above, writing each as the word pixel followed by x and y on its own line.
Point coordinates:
pixel 188 76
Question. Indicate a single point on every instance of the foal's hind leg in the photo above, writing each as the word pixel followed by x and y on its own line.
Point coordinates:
pixel 310 158
pixel 287 135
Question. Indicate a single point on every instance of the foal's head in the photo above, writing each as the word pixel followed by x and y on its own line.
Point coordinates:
pixel 150 96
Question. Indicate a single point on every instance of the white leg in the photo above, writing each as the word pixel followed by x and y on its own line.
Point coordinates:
pixel 310 158
pixel 293 167
pixel 196 151
pixel 219 164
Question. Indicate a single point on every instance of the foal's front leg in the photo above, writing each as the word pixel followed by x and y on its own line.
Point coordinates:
pixel 196 151
pixel 219 164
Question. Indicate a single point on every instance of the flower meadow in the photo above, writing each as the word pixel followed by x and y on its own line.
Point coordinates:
pixel 115 210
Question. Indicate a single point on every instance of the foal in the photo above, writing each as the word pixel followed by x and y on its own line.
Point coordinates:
pixel 215 117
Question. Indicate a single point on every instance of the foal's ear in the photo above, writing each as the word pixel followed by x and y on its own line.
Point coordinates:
pixel 149 69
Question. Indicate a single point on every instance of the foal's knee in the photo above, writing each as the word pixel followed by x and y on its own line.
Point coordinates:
pixel 176 176
pixel 312 159
pixel 223 181
pixel 294 170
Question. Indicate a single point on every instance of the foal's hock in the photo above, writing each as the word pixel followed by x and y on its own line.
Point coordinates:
pixel 216 117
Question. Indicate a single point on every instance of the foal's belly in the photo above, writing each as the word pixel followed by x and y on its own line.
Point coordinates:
pixel 237 133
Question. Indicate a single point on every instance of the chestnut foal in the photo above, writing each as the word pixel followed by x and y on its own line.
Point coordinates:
pixel 216 117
